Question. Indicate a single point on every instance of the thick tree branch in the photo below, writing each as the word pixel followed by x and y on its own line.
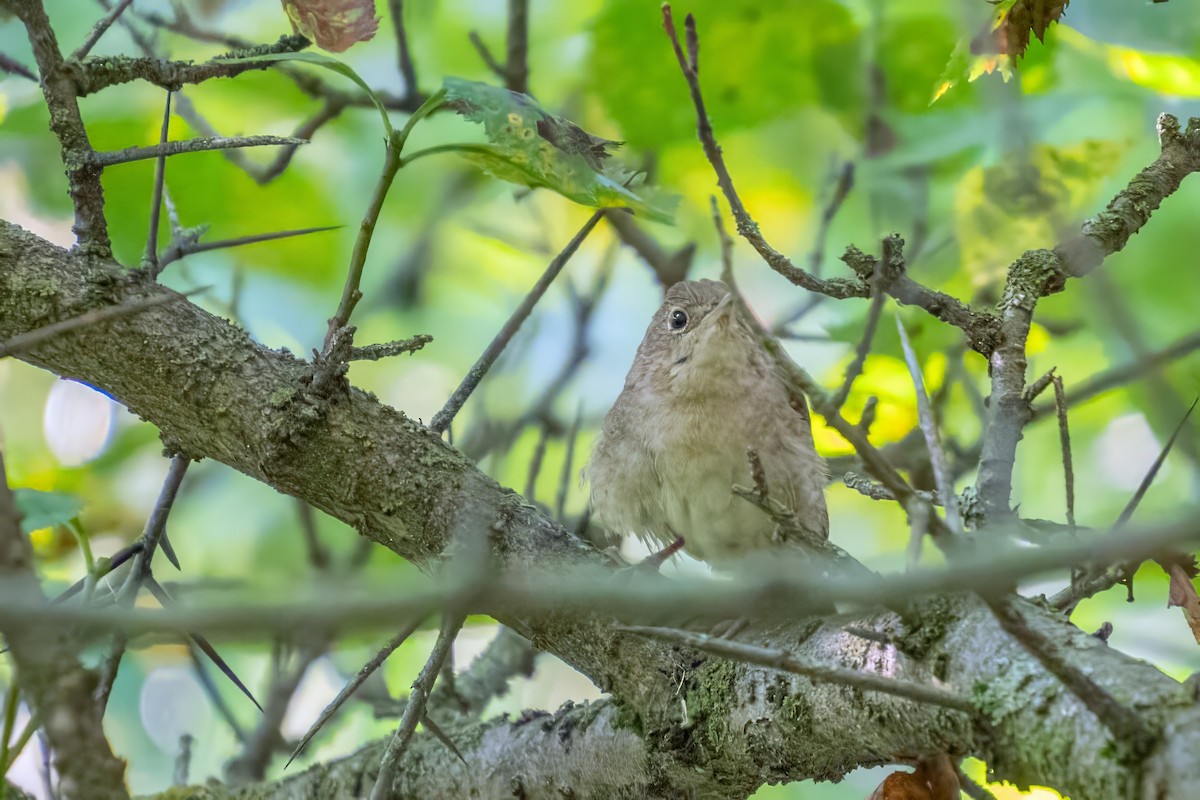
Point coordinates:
pixel 216 393
pixel 1039 273
pixel 59 90
pixel 60 687
pixel 94 74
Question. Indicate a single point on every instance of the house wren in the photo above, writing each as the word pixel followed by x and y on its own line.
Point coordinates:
pixel 701 392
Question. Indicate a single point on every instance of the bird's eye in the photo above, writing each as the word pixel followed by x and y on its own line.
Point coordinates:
pixel 677 320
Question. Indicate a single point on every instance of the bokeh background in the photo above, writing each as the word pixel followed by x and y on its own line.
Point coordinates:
pixel 1004 160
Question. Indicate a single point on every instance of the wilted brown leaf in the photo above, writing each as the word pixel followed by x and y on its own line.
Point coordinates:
pixel 1011 36
pixel 1183 594
pixel 934 779
pixel 901 786
pixel 335 25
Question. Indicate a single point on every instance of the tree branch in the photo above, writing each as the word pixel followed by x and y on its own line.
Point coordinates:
pixel 218 394
pixel 59 686
pixel 112 157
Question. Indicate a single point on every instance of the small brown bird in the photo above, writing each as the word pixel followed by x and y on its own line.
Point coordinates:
pixel 701 391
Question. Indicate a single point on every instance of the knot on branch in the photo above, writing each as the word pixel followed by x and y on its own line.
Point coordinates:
pixel 1035 274
pixel 326 380
pixel 1170 135
pixel 892 266
pixel 862 264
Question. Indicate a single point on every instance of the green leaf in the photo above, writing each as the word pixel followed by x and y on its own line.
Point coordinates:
pixel 532 147
pixel 45 509
pixel 322 60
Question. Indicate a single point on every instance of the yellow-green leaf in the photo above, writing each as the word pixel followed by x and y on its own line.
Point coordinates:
pixel 535 148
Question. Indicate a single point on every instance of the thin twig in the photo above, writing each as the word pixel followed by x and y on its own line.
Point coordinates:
pixel 1126 725
pixel 793 590
pixel 150 253
pixel 214 694
pixel 1085 587
pixel 1037 387
pixel 414 709
pixel 109 158
pixel 516 65
pixel 816 256
pixel 862 350
pixel 971 788
pixel 201 643
pixel 14 67
pixel 1152 473
pixel 564 480
pixel 407 70
pixel 318 553
pixel 535 463
pixel 392 162
pixel 668 268
pixel 1064 436
pixel 786 662
pixel 486 435
pixel 155 529
pixel 876 491
pixel 937 456
pixel 98 30
pixel 476 374
pixel 507 656
pixel 364 672
pixel 264 174
pixel 251 763
pixel 919 516
pixel 841 190
pixel 375 352
pixel 186 245
pixel 1119 376
pixel 746 225
pixel 486 55
pixel 24 342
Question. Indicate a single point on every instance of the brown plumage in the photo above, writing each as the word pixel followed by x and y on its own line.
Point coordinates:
pixel 700 392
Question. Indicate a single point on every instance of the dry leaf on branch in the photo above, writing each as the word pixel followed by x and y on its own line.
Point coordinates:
pixel 1011 35
pixel 933 779
pixel 335 25
pixel 1183 594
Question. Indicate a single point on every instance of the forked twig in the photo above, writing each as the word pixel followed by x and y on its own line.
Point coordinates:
pixel 352 685
pixel 414 709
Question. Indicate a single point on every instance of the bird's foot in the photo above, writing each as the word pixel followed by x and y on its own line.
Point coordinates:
pixel 651 564
pixel 654 561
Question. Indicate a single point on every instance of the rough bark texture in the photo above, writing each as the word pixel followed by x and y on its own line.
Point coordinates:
pixel 679 722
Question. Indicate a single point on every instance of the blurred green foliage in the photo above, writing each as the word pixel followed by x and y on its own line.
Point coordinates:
pixel 988 170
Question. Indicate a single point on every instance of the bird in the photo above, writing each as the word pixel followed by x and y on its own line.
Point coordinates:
pixel 701 392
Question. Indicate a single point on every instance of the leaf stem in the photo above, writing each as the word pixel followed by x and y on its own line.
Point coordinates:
pixel 461 147
pixel 391 165
pixel 435 101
